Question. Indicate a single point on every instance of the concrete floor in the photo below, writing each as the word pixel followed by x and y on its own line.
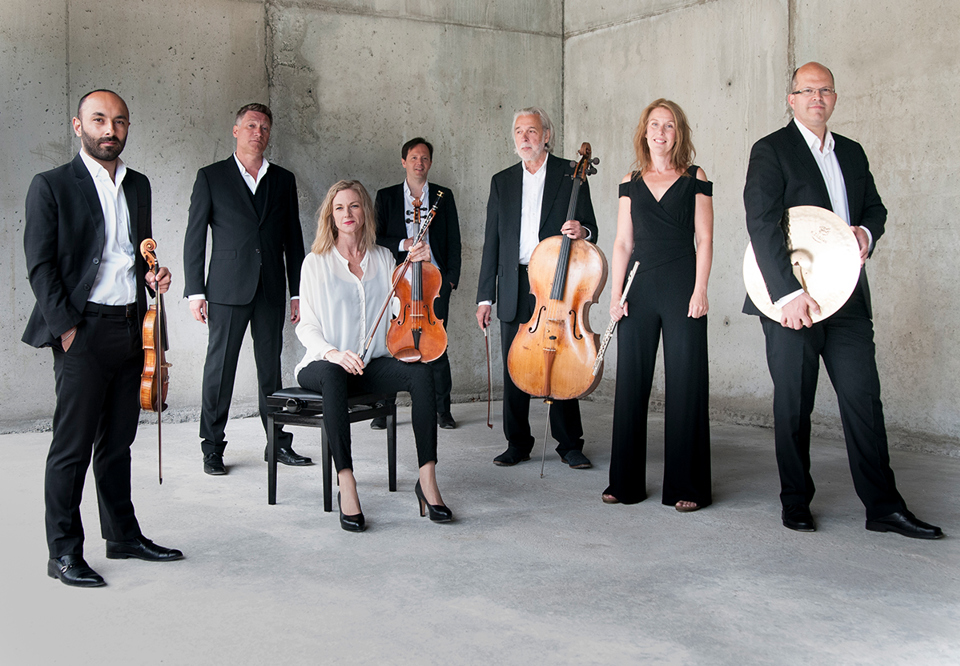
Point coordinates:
pixel 534 571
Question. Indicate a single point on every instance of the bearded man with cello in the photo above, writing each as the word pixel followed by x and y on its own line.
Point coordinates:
pixel 84 221
pixel 528 203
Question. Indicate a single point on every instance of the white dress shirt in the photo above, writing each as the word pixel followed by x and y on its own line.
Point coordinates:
pixel 412 228
pixel 826 160
pixel 530 209
pixel 116 282
pixel 249 179
pixel 252 183
pixel 337 310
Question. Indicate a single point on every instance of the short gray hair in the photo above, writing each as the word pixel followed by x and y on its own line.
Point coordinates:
pixel 544 122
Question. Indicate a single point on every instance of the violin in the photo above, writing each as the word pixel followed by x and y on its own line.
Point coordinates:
pixel 416 334
pixel 154 379
pixel 553 354
pixel 398 275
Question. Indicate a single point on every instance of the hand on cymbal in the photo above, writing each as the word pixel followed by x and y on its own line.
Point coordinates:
pixel 797 313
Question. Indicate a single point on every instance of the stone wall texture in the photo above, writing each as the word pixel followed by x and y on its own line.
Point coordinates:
pixel 350 80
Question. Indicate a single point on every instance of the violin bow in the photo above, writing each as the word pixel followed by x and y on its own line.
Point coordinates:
pixel 406 263
pixel 147 249
pixel 486 342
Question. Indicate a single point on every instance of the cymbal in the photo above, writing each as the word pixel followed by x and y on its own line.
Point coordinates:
pixel 825 257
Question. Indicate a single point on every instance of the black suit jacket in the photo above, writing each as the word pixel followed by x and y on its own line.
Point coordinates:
pixel 499 279
pixel 783 173
pixel 246 247
pixel 63 241
pixel 444 230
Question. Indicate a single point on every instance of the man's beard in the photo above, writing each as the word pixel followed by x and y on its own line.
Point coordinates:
pixel 105 153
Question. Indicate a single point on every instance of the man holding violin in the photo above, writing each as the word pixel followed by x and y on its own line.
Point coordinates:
pixel 84 221
pixel 528 203
pixel 396 230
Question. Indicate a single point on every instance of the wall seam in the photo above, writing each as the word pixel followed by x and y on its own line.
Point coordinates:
pixel 66 50
pixel 636 18
pixel 336 9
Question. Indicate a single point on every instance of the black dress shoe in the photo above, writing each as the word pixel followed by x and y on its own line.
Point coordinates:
pixel 797 517
pixel 213 464
pixel 446 421
pixel 379 423
pixel 905 523
pixel 141 548
pixel 576 459
pixel 351 523
pixel 439 513
pixel 72 570
pixel 511 457
pixel 287 456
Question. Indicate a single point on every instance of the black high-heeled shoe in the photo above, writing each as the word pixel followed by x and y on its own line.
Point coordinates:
pixel 438 512
pixel 354 523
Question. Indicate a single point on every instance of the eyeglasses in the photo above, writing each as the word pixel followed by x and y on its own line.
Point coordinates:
pixel 809 92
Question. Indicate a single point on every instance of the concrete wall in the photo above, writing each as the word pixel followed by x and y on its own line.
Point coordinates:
pixel 183 68
pixel 351 80
pixel 727 63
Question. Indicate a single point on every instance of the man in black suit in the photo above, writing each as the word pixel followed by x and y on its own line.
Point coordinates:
pixel 396 230
pixel 805 164
pixel 84 223
pixel 528 203
pixel 251 209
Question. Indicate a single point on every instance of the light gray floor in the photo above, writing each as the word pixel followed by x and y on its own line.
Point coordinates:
pixel 534 571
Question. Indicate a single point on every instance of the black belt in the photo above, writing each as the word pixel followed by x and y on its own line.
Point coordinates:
pixel 98 310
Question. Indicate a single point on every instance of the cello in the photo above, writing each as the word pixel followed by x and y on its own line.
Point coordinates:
pixel 553 354
pixel 416 334
pixel 155 379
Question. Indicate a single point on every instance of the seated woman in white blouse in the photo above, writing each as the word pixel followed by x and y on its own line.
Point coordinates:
pixel 343 284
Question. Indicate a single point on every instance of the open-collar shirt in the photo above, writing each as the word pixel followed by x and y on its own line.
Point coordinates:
pixel 116 282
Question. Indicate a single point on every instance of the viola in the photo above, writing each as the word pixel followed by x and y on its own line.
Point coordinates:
pixel 155 379
pixel 553 354
pixel 416 334
pixel 398 275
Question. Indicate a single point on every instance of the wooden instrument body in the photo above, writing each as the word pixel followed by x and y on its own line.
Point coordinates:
pixel 552 354
pixel 416 334
pixel 155 378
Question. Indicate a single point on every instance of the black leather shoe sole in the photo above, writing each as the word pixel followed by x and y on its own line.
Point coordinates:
pixel 213 465
pixel 911 528
pixel 148 553
pixel 74 575
pixel 509 461
pixel 379 423
pixel 798 518
pixel 293 460
pixel 446 421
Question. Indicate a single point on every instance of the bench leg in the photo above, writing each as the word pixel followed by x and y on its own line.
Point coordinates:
pixel 392 448
pixel 271 460
pixel 327 459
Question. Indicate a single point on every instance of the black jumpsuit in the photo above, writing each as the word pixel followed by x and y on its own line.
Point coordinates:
pixel 663 235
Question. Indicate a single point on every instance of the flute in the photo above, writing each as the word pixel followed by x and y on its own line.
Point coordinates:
pixel 613 322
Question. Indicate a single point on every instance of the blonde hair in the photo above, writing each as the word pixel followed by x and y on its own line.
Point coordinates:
pixel 327 233
pixel 681 157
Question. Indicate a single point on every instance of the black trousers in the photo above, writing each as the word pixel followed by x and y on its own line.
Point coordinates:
pixel 658 302
pixel 442 380
pixel 845 342
pixel 98 407
pixel 381 375
pixel 227 325
pixel 565 424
